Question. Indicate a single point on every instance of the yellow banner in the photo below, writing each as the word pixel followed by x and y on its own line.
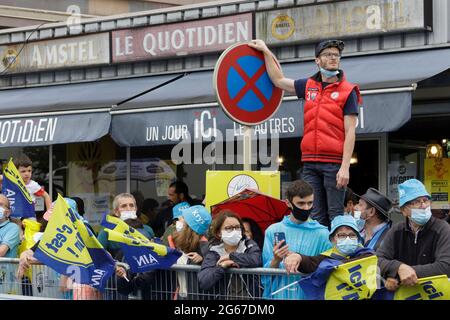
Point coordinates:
pixel 355 280
pixel 11 172
pixel 125 234
pixel 221 185
pixel 430 288
pixel 60 240
pixel 437 178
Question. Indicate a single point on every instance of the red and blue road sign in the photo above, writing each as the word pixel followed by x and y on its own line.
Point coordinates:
pixel 243 86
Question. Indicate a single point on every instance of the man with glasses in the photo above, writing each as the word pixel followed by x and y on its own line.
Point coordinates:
pixel 330 115
pixel 418 247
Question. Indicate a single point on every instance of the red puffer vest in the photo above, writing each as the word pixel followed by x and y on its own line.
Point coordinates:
pixel 323 119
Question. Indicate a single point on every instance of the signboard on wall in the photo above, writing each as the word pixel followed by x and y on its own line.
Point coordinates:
pixel 437 178
pixel 399 173
pixel 181 39
pixel 53 54
pixel 221 185
pixel 342 19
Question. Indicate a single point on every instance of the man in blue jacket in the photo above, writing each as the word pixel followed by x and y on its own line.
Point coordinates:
pixel 303 235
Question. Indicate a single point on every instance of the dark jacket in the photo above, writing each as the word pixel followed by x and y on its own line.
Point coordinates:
pixel 214 279
pixel 428 252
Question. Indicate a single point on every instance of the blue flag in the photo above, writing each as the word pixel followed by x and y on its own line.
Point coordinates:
pixel 68 247
pixel 15 190
pixel 338 279
pixel 139 252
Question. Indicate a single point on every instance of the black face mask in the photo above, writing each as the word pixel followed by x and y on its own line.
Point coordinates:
pixel 300 214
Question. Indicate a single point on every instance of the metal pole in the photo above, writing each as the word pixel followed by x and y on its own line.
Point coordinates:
pixel 248 131
pixel 50 173
pixel 128 182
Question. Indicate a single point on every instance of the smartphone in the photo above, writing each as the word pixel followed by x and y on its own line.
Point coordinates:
pixel 279 236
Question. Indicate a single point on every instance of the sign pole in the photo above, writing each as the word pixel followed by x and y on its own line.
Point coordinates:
pixel 248 132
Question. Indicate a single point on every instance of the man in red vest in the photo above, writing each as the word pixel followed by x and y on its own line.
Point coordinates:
pixel 330 117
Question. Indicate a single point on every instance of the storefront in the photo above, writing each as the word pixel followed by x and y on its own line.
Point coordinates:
pixel 138 111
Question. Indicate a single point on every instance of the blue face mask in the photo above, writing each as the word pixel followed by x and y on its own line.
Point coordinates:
pixel 421 216
pixel 328 73
pixel 360 223
pixel 347 246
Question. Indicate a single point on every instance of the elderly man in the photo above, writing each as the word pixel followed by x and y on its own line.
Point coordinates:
pixel 124 207
pixel 330 114
pixel 373 222
pixel 9 231
pixel 417 247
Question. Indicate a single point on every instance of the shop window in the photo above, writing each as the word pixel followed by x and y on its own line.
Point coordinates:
pixel 94 171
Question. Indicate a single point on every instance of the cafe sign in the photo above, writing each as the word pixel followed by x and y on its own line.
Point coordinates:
pixel 343 19
pixel 53 54
pixel 181 39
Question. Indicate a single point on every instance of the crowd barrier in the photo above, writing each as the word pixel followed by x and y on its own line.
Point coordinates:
pixel 180 282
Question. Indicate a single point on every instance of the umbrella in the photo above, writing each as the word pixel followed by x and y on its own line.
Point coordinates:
pixel 263 209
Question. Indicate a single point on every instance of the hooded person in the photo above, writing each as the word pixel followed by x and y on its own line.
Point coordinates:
pixel 417 247
pixel 373 221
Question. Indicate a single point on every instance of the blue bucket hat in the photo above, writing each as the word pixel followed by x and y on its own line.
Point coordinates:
pixel 344 220
pixel 197 218
pixel 177 210
pixel 410 190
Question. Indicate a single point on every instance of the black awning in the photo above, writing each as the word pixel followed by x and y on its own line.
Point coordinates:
pixel 64 113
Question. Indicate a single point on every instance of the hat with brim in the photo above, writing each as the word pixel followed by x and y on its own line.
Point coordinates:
pixel 377 200
pixel 344 221
pixel 411 189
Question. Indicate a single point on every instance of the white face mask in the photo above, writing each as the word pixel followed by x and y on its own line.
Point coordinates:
pixel 179 225
pixel 2 212
pixel 125 215
pixel 356 214
pixel 231 238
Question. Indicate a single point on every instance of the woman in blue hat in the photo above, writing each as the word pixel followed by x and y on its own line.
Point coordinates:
pixel 347 246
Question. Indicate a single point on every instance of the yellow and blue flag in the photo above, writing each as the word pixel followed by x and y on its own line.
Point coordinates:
pixel 336 279
pixel 429 288
pixel 139 252
pixel 70 248
pixel 15 190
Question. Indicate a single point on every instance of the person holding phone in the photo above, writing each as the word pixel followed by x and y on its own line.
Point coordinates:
pixel 295 233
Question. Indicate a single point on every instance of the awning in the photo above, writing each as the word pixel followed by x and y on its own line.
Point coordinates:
pixel 63 113
pixel 188 105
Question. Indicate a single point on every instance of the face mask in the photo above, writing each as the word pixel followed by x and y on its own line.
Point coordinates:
pixel 179 225
pixel 356 214
pixel 327 73
pixel 2 212
pixel 125 215
pixel 300 214
pixel 231 238
pixel 347 246
pixel 421 216
pixel 360 223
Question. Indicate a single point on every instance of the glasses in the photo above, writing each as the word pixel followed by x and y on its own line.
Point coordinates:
pixel 331 55
pixel 418 202
pixel 343 236
pixel 232 228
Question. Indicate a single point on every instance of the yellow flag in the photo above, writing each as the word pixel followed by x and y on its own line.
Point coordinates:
pixel 125 234
pixel 430 288
pixel 355 280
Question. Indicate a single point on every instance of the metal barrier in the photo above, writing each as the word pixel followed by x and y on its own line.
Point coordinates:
pixel 180 282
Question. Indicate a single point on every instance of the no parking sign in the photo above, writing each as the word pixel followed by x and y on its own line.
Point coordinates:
pixel 243 87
